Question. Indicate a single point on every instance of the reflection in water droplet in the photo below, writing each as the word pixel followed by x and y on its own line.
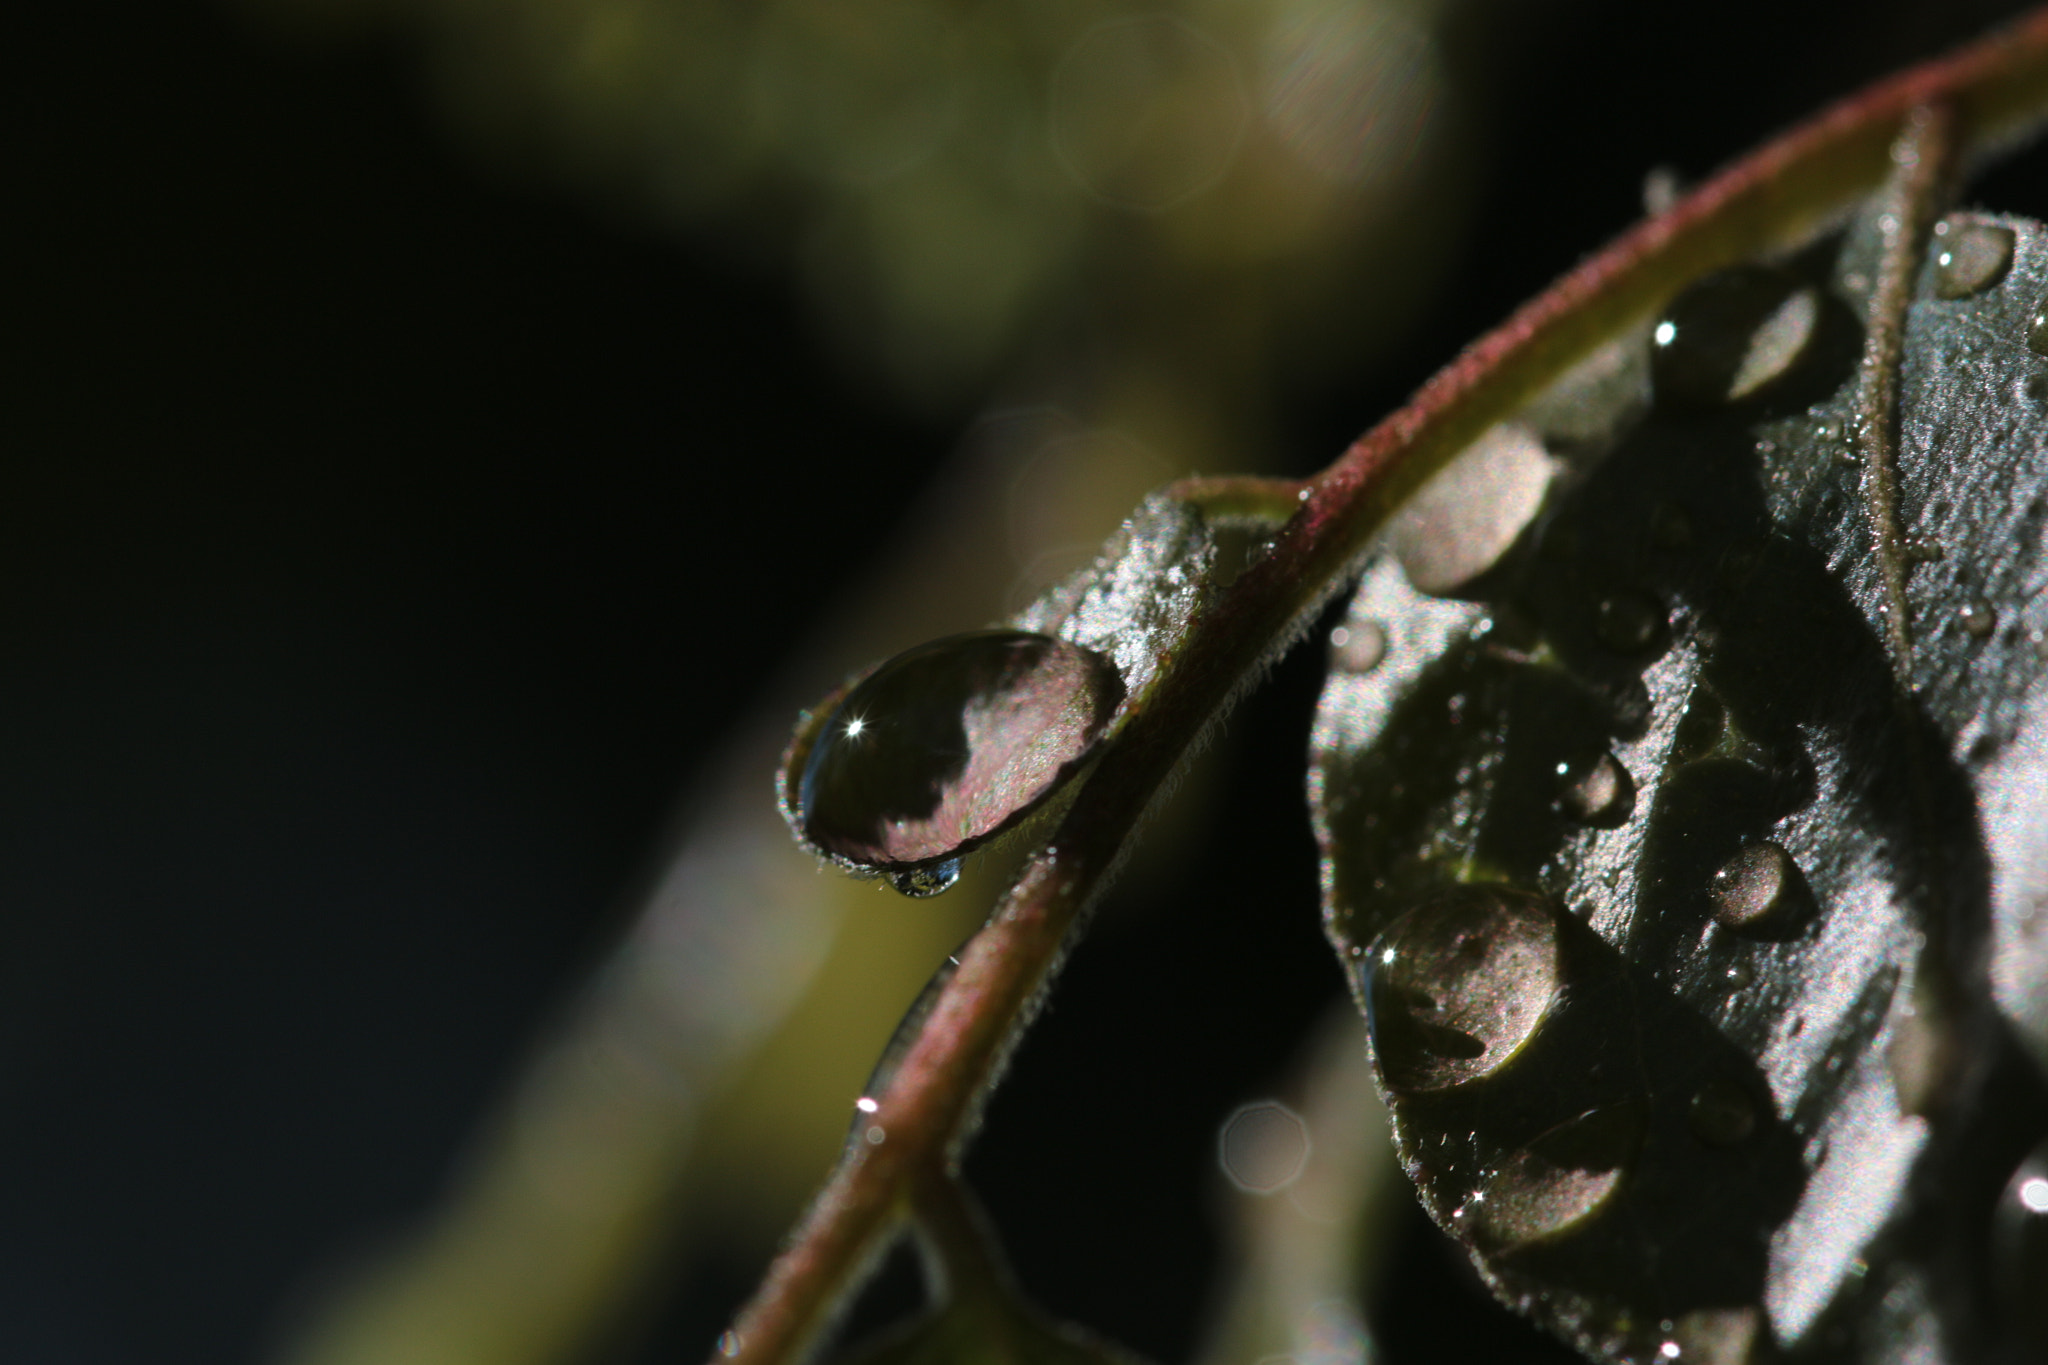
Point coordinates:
pixel 1358 646
pixel 944 746
pixel 1969 257
pixel 1979 618
pixel 1699 727
pixel 1721 1113
pixel 1740 974
pixel 1732 335
pixel 1469 515
pixel 728 1343
pixel 1760 889
pixel 1460 983
pixel 2020 1253
pixel 1630 622
pixel 1923 549
pixel 929 880
pixel 2037 330
pixel 1263 1147
pixel 1557 1182
pixel 1600 793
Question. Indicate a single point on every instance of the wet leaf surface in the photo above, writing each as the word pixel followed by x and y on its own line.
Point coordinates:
pixel 1707 966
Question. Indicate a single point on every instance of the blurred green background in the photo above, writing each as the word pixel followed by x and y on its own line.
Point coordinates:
pixel 447 440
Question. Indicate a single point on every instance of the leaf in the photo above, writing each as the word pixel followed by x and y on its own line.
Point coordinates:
pixel 1701 956
pixel 986 1332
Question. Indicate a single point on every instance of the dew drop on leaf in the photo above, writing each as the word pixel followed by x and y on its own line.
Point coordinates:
pixel 1600 793
pixel 1969 257
pixel 1732 335
pixel 1460 983
pixel 1463 522
pixel 1358 646
pixel 1978 617
pixel 944 746
pixel 1760 889
pixel 1557 1182
pixel 927 880
pixel 2037 329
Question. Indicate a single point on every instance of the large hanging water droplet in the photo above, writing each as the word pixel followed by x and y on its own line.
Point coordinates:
pixel 1460 983
pixel 1732 335
pixel 1760 890
pixel 1600 793
pixel 928 880
pixel 1969 257
pixel 1557 1182
pixel 944 746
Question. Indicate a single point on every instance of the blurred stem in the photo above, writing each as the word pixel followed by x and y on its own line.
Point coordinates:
pixel 961 1242
pixel 1775 198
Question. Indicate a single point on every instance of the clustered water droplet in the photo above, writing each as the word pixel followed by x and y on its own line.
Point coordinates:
pixel 1600 793
pixel 1357 646
pixel 1732 335
pixel 1760 889
pixel 1557 1182
pixel 1969 257
pixel 944 746
pixel 1460 983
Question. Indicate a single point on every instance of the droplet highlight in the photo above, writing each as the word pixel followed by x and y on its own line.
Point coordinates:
pixel 946 745
pixel 1731 336
pixel 1555 1184
pixel 1358 646
pixel 1600 793
pixel 1630 622
pixel 1459 984
pixel 1760 890
pixel 1969 257
pixel 1978 618
pixel 1721 1113
pixel 2019 1251
pixel 2037 330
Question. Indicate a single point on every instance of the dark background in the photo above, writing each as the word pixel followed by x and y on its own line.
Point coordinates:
pixel 381 548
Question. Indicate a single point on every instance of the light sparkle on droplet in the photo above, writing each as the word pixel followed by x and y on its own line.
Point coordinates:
pixel 866 1105
pixel 2034 1194
pixel 1665 333
pixel 856 726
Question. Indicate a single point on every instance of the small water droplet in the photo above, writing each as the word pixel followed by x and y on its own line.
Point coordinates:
pixel 1630 622
pixel 1760 889
pixel 1699 727
pixel 1460 983
pixel 728 1343
pixel 1925 549
pixel 1721 1113
pixel 2019 1252
pixel 1732 335
pixel 1979 618
pixel 943 747
pixel 1969 257
pixel 2037 330
pixel 1358 646
pixel 918 883
pixel 1557 1182
pixel 1740 974
pixel 1600 793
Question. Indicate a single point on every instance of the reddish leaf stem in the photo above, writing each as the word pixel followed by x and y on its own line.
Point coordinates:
pixel 1776 197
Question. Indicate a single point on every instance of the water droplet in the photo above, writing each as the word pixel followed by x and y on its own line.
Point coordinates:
pixel 1969 257
pixel 1600 793
pixel 2037 330
pixel 928 880
pixel 1630 622
pixel 1358 646
pixel 1719 1336
pixel 2019 1233
pixel 1979 618
pixel 1924 549
pixel 1732 335
pixel 1740 974
pixel 1721 1113
pixel 1699 727
pixel 1460 983
pixel 946 745
pixel 1760 890
pixel 1557 1182
pixel 729 1344
pixel 1467 517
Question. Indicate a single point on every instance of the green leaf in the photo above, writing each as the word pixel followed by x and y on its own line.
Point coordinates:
pixel 1703 952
